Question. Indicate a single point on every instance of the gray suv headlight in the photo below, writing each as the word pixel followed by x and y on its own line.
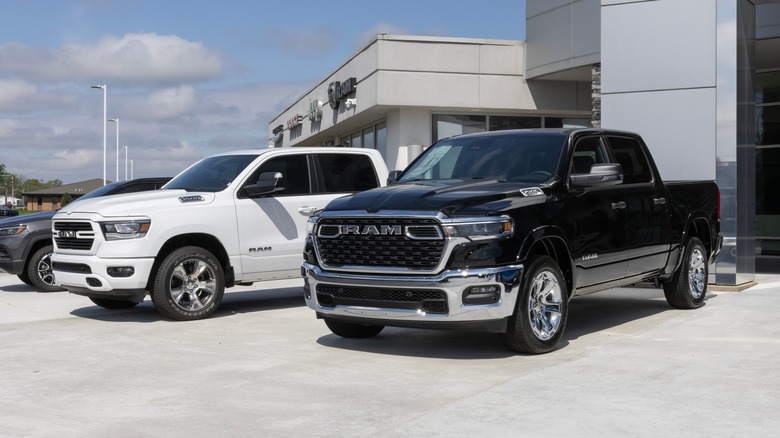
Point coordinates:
pixel 12 231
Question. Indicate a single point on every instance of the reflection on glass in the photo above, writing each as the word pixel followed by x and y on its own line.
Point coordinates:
pixel 446 125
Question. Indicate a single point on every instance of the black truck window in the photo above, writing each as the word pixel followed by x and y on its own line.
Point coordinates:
pixel 587 152
pixel 629 154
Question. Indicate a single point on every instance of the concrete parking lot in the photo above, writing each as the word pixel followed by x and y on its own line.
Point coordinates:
pixel 264 366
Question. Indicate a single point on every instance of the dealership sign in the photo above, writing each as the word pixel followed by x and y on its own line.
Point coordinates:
pixel 338 91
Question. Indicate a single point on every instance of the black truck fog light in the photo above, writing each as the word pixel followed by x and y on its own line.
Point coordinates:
pixel 121 271
pixel 488 294
pixel 306 289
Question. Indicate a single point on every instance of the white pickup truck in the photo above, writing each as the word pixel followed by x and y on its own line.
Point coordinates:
pixel 230 219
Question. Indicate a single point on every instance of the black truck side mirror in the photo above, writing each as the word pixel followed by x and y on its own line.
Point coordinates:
pixel 608 174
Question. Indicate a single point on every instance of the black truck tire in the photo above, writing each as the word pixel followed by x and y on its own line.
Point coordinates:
pixel 539 319
pixel 108 303
pixel 688 286
pixel 189 284
pixel 352 330
pixel 39 270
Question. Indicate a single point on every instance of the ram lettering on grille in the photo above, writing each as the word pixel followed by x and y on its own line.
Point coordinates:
pixel 411 243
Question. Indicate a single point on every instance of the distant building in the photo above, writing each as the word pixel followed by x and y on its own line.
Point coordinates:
pixel 699 79
pixel 51 198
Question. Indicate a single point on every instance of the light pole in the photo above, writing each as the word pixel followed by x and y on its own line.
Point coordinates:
pixel 131 169
pixel 117 145
pixel 125 162
pixel 104 87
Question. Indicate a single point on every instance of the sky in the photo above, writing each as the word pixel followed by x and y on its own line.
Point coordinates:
pixel 186 79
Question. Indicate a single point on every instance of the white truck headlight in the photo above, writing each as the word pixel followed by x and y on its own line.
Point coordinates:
pixel 125 229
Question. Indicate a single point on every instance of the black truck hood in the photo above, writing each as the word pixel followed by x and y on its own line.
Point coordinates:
pixel 450 197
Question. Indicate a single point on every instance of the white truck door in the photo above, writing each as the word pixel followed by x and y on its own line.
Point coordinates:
pixel 272 228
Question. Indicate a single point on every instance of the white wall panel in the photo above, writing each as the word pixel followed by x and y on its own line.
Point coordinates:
pixel 679 127
pixel 561 36
pixel 658 45
pixel 536 7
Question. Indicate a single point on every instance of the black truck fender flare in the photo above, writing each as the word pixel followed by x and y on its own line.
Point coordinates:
pixel 552 241
pixel 695 220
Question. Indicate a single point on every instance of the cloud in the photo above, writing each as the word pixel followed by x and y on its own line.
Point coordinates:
pixel 17 97
pixel 133 59
pixel 169 103
pixel 165 129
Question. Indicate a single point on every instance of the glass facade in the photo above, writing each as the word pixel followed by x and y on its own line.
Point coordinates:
pixel 448 125
pixel 768 168
pixel 371 137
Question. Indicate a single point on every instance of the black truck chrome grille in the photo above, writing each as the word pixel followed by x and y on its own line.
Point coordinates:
pixel 426 300
pixel 73 235
pixel 416 244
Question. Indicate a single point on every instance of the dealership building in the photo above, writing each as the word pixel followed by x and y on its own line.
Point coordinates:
pixel 698 79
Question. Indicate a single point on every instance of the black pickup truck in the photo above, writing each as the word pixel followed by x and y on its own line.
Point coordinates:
pixel 497 231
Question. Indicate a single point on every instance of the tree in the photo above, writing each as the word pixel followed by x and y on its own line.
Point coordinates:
pixel 66 199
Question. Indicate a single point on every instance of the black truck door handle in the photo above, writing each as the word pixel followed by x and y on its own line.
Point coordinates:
pixel 618 205
pixel 659 201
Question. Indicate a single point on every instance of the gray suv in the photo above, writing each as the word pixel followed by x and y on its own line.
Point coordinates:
pixel 25 241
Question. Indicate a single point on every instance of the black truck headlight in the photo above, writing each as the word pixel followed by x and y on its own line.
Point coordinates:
pixel 311 224
pixel 483 228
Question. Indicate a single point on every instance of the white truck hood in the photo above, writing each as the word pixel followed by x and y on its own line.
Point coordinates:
pixel 136 204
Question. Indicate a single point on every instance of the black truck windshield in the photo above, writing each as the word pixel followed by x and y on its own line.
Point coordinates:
pixel 525 158
pixel 212 174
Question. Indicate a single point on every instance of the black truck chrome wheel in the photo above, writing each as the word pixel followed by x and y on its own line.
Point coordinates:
pixel 688 286
pixel 542 308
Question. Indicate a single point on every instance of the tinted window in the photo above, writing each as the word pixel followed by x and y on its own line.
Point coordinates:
pixel 629 154
pixel 294 169
pixel 138 187
pixel 344 173
pixel 211 174
pixel 587 152
pixel 528 158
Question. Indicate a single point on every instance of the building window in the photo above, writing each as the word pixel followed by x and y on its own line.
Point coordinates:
pixel 356 140
pixel 381 138
pixel 566 122
pixel 768 162
pixel 448 125
pixel 500 123
pixel 371 137
pixel 368 138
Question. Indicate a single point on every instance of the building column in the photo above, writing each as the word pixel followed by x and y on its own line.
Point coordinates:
pixel 736 152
